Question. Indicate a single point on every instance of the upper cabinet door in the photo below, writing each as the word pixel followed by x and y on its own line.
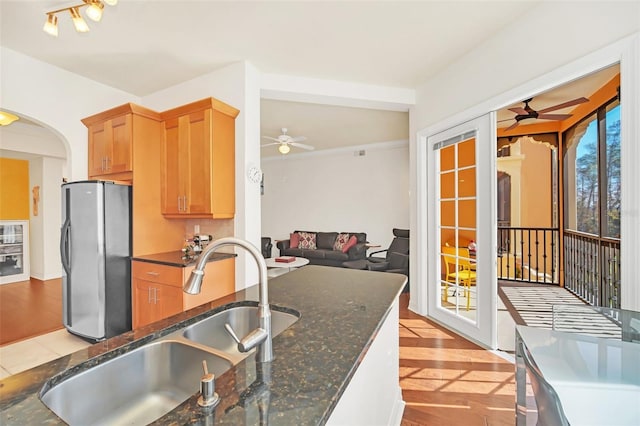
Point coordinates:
pixel 198 163
pixel 198 144
pixel 172 180
pixel 98 149
pixel 110 146
pixel 121 145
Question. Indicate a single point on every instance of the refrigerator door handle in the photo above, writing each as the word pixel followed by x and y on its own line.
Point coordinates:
pixel 65 246
pixel 65 249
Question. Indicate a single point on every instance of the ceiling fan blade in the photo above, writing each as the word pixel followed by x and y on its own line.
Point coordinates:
pixel 298 139
pixel 273 139
pixel 519 110
pixel 270 144
pixel 506 119
pixel 301 145
pixel 559 117
pixel 564 105
pixel 513 126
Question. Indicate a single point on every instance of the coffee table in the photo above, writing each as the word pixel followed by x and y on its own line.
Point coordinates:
pixel 279 268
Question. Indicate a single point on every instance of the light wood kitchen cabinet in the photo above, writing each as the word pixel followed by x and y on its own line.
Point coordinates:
pixel 113 136
pixel 157 289
pixel 198 161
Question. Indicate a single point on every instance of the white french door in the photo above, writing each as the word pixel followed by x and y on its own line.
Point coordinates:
pixel 461 229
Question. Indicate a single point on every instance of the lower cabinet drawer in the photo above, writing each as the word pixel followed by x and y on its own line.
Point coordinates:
pixel 157 273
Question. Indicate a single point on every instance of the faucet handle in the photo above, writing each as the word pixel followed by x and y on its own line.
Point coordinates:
pixel 208 397
pixel 250 341
pixel 232 333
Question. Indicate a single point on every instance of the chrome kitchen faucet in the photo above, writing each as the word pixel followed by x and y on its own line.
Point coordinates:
pixel 261 336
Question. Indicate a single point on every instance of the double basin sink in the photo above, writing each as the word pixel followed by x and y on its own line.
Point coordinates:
pixel 141 386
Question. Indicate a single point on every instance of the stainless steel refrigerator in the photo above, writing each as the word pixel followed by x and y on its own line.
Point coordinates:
pixel 95 248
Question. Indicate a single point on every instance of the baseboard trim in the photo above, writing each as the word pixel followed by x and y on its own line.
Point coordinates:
pixel 398 409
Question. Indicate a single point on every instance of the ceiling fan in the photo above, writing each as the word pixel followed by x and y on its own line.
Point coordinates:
pixel 526 112
pixel 285 142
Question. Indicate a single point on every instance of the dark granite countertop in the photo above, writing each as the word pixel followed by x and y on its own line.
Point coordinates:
pixel 178 258
pixel 315 359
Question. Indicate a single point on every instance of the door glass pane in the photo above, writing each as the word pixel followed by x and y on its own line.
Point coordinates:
pixel 467 182
pixel 612 121
pixel 447 185
pixel 447 158
pixel 457 227
pixel 448 213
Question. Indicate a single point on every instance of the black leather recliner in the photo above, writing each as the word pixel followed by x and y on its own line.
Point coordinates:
pixel 396 258
pixel 397 255
pixel 265 246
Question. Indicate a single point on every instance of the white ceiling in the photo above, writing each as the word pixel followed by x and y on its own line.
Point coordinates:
pixel 329 127
pixel 142 46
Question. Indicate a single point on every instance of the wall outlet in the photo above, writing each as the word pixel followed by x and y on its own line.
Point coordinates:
pixel 196 229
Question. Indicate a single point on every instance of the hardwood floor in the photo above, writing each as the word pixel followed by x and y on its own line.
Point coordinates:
pixel 29 309
pixel 447 380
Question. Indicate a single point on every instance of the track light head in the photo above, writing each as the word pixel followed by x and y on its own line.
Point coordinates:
pixel 94 10
pixel 51 26
pixel 78 20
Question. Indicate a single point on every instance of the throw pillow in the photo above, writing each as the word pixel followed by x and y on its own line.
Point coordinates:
pixel 341 240
pixel 307 241
pixel 294 240
pixel 352 242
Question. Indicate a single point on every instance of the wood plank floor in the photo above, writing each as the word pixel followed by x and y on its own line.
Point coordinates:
pixel 447 380
pixel 29 309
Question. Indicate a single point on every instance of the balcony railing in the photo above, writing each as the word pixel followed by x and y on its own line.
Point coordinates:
pixel 592 268
pixel 528 254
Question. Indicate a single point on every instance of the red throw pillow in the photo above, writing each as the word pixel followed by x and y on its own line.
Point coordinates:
pixel 294 240
pixel 352 242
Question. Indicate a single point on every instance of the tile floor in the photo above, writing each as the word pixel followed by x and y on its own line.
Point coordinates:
pixel 30 353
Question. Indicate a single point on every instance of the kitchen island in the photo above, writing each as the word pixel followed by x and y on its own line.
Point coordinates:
pixel 342 349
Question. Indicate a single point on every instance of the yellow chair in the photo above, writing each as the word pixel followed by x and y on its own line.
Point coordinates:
pixel 464 274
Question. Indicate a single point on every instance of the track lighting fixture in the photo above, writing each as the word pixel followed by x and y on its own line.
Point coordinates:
pixel 93 11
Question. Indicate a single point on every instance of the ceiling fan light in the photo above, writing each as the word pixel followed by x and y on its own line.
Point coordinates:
pixel 51 26
pixel 111 2
pixel 284 149
pixel 94 10
pixel 6 118
pixel 78 21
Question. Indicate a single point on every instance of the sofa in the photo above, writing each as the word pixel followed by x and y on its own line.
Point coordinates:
pixel 325 248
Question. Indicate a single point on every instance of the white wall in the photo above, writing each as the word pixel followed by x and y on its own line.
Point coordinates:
pixel 45 172
pixel 550 36
pixel 337 191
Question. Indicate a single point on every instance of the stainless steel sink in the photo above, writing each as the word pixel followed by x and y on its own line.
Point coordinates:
pixel 135 388
pixel 211 332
